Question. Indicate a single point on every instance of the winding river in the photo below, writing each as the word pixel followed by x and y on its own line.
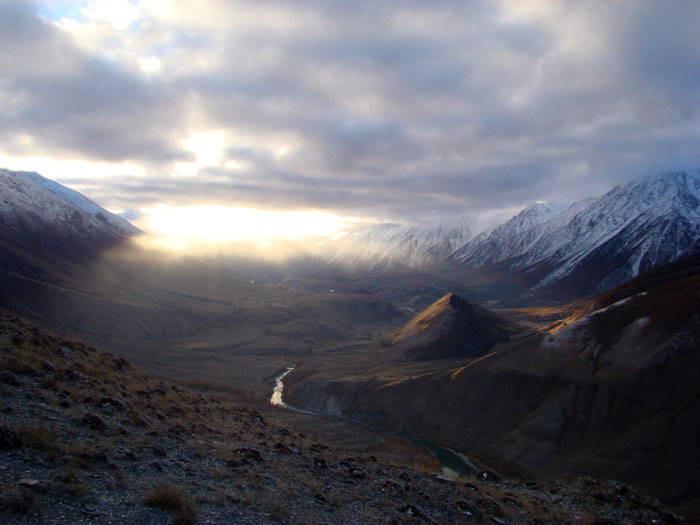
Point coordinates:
pixel 453 463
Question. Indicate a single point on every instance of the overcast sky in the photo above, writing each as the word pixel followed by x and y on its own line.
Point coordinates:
pixel 403 111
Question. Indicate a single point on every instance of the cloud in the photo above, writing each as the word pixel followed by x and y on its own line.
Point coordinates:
pixel 394 111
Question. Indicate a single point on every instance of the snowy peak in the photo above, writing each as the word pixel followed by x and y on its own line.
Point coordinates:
pixel 598 243
pixel 507 240
pixel 82 202
pixel 54 217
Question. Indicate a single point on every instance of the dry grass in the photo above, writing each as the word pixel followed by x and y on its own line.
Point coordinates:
pixel 39 436
pixel 171 498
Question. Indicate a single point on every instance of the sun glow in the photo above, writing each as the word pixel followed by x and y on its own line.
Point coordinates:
pixel 207 146
pixel 180 226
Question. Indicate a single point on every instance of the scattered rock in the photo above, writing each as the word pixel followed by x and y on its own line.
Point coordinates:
pixel 89 510
pixel 488 475
pixel 92 420
pixel 9 378
pixel 9 438
pixel 70 375
pixel 357 473
pixel 250 454
pixel 413 511
pixel 235 463
pixel 282 448
pixel 35 484
pixel 108 403
pixel 159 451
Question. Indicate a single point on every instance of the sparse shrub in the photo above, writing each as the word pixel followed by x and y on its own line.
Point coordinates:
pixel 168 497
pixel 49 383
pixel 15 500
pixel 38 436
pixel 18 366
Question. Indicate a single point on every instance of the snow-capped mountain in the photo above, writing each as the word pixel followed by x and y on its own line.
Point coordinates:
pixel 386 245
pixel 601 241
pixel 591 246
pixel 55 218
pixel 505 240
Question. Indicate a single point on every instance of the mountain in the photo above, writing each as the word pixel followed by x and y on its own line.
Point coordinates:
pixel 450 327
pixel 505 239
pixel 385 246
pixel 537 255
pixel 608 387
pixel 597 244
pixel 51 218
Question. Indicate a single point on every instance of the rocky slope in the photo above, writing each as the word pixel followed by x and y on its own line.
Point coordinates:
pixel 86 437
pixel 451 327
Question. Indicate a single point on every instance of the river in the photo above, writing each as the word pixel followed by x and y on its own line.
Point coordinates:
pixel 453 463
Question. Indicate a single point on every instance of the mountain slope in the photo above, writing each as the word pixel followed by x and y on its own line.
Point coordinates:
pixel 55 219
pixel 385 246
pixel 505 240
pixel 598 244
pixel 612 391
pixel 450 327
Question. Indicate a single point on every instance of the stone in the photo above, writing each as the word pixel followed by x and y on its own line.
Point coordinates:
pixel 9 438
pixel 92 420
pixel 9 378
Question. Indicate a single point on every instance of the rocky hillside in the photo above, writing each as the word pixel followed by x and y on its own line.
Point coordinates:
pixel 86 437
pixel 611 390
pixel 450 327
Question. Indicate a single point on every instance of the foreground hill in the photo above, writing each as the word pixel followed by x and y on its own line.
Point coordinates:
pixel 612 390
pixel 85 436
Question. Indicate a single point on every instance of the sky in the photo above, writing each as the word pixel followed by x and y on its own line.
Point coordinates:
pixel 357 111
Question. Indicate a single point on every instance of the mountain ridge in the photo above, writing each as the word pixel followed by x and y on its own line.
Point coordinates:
pixel 56 219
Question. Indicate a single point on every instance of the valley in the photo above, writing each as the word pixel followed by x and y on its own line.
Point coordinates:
pixel 586 374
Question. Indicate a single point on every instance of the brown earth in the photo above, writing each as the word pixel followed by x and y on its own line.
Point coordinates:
pixel 85 436
pixel 610 389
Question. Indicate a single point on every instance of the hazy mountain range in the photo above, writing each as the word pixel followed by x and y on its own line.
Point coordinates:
pixel 593 245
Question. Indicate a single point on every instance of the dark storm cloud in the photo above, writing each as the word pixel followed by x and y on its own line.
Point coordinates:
pixel 396 111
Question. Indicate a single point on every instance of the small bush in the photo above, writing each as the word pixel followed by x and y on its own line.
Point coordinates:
pixel 168 497
pixel 39 436
pixel 19 501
